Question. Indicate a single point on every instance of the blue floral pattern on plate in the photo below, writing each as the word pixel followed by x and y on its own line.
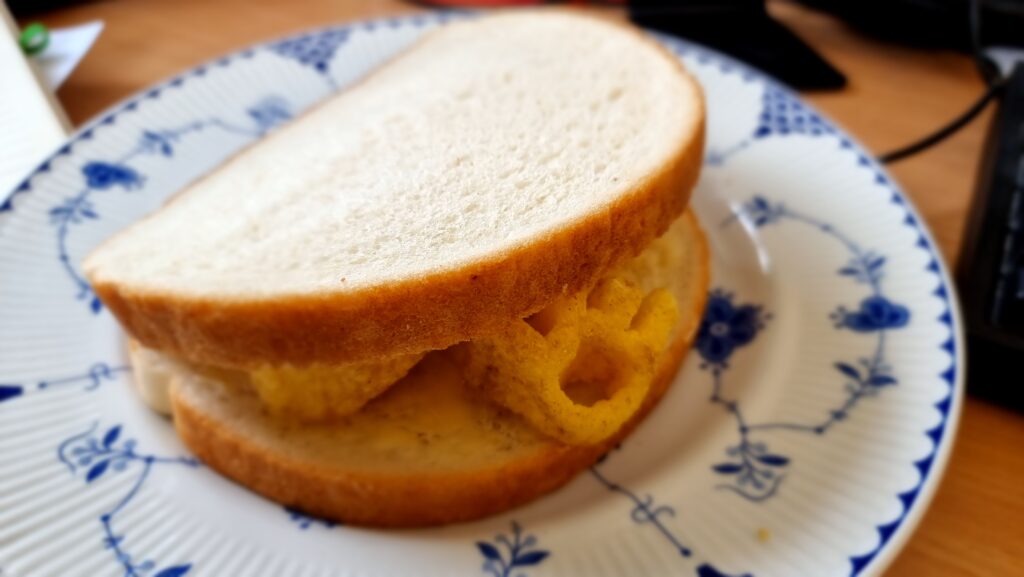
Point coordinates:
pixel 107 454
pixel 644 509
pixel 726 327
pixel 93 378
pixel 315 50
pixel 305 522
pixel 756 473
pixel 507 553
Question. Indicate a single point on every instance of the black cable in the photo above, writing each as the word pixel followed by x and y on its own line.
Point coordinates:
pixel 942 133
pixel 989 73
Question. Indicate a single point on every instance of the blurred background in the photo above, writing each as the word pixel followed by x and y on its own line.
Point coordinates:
pixel 932 87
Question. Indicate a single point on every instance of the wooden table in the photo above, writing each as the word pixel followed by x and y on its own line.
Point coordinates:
pixel 976 523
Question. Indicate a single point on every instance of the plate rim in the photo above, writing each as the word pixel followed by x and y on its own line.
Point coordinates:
pixel 907 523
pixel 893 534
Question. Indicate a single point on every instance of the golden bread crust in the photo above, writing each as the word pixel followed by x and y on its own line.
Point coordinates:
pixel 413 500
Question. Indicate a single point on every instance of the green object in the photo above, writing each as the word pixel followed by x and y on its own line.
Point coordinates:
pixel 34 38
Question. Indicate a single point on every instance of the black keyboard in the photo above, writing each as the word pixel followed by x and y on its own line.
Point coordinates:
pixel 991 271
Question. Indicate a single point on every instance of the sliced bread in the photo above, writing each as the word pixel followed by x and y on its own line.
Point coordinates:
pixel 499 163
pixel 429 450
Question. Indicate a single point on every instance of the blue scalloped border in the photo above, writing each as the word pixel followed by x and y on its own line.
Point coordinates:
pixel 953 375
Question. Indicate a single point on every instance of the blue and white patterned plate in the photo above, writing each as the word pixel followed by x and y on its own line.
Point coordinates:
pixel 805 436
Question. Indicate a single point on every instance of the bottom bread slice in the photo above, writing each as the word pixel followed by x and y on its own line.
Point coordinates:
pixel 430 450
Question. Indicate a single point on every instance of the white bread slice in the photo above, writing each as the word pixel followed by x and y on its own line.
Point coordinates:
pixel 499 163
pixel 428 451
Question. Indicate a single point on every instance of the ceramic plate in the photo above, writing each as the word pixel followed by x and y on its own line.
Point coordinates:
pixel 804 436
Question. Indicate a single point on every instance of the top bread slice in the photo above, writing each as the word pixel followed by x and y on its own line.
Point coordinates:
pixel 497 164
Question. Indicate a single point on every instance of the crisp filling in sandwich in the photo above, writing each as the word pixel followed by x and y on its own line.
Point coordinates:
pixel 439 294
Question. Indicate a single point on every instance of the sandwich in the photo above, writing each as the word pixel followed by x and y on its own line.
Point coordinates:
pixel 439 294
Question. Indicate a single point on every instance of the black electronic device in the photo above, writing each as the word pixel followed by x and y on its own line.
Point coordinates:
pixel 991 271
pixel 743 29
pixel 940 24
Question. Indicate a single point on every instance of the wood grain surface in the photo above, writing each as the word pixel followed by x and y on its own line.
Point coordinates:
pixel 975 526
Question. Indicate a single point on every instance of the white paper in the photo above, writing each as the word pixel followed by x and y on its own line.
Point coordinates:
pixel 32 123
pixel 65 50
